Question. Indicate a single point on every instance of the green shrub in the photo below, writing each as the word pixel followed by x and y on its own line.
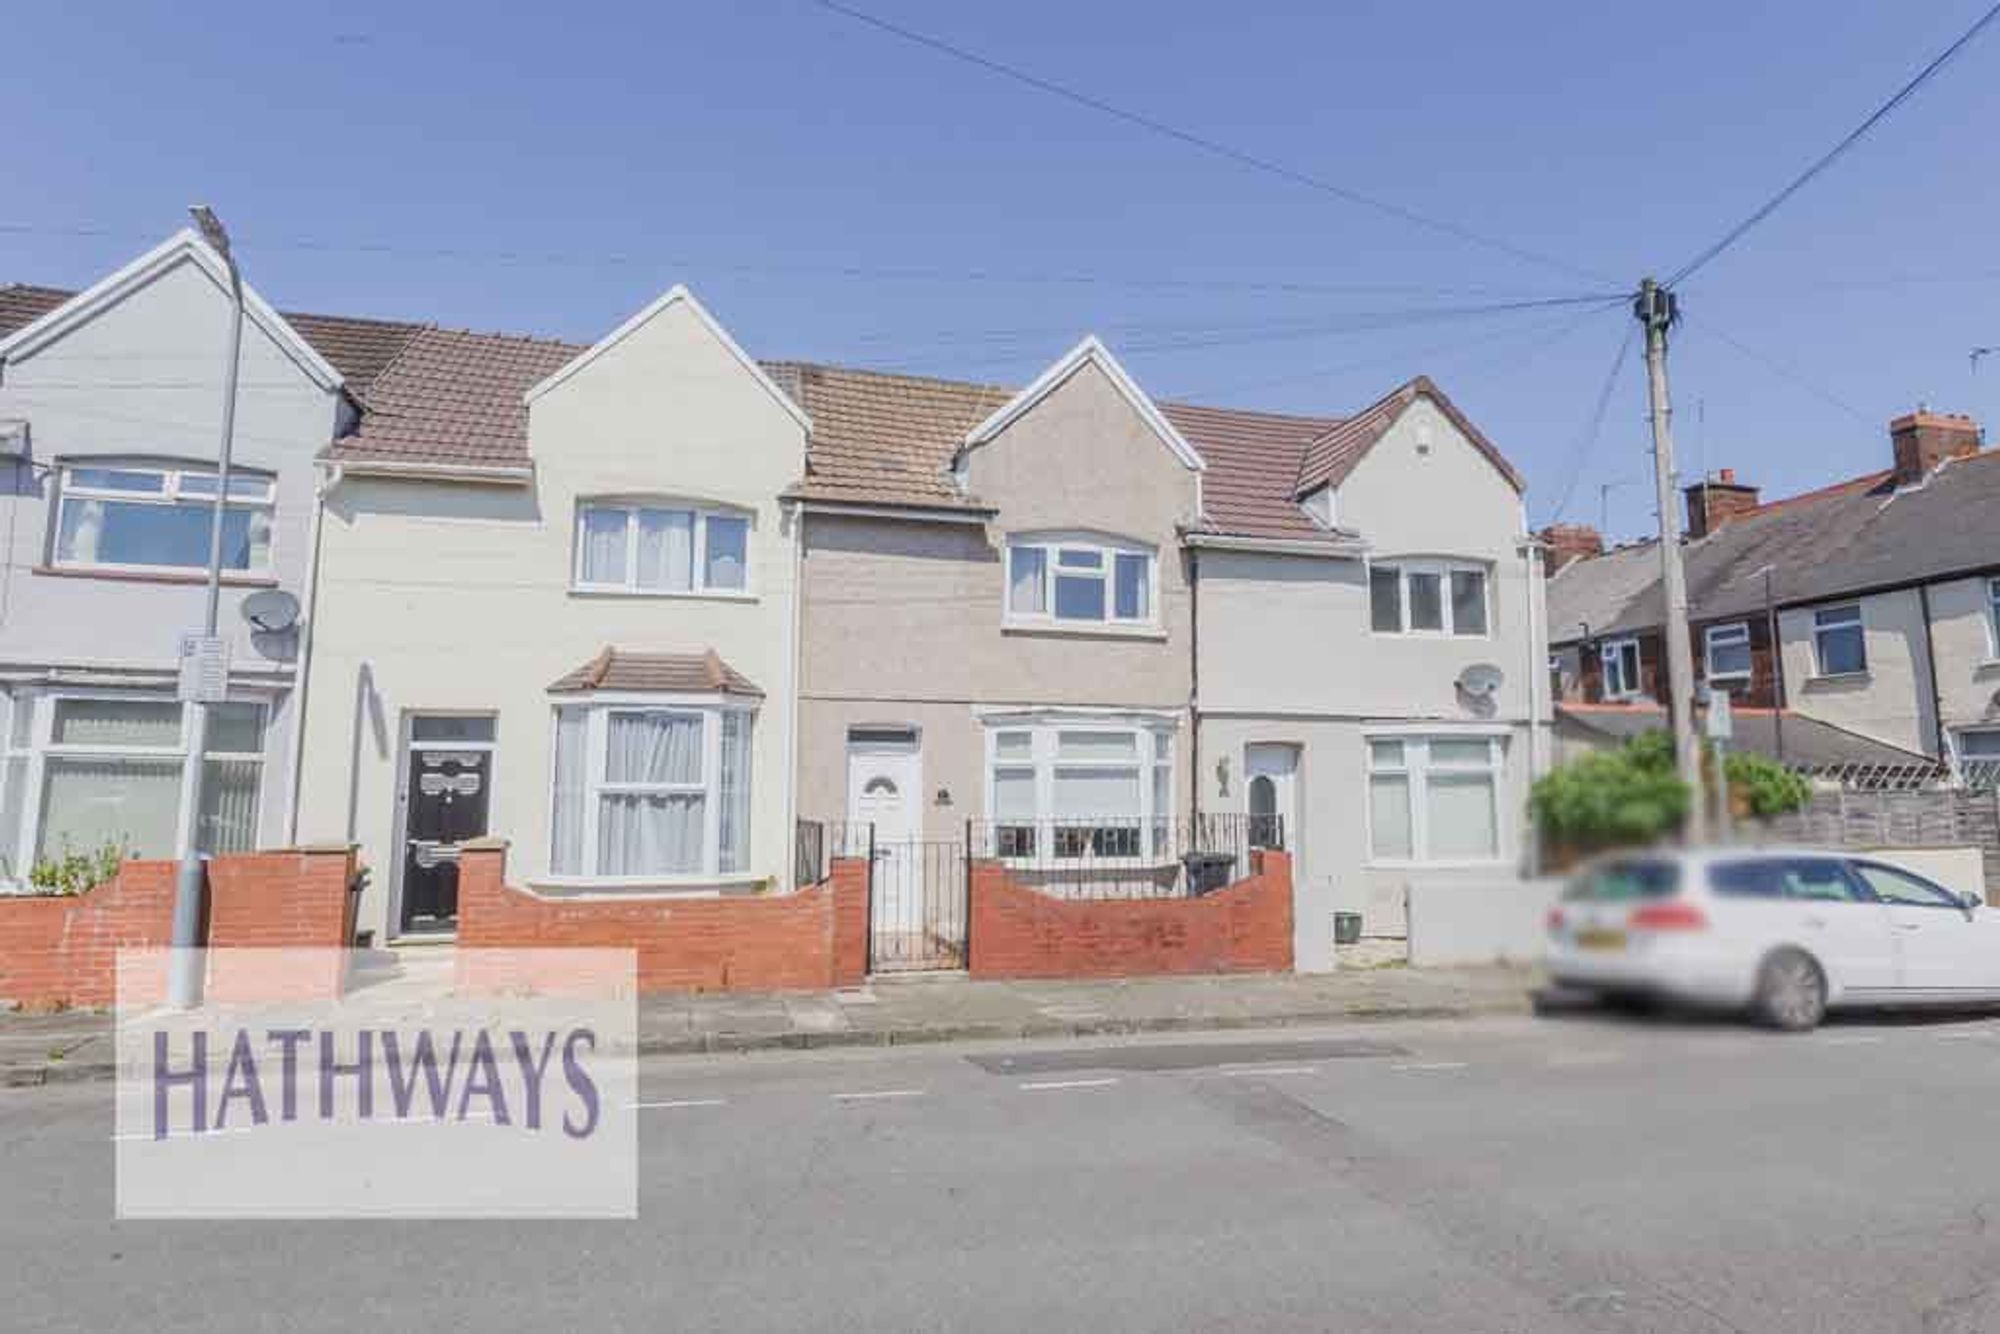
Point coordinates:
pixel 73 872
pixel 1764 788
pixel 1629 795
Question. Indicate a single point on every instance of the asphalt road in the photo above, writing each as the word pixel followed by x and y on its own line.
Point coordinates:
pixel 1518 1174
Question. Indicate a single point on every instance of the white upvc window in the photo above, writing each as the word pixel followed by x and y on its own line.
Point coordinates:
pixel 1428 597
pixel 1084 788
pixel 1434 800
pixel 1979 754
pixel 146 517
pixel 83 769
pixel 662 548
pixel 1061 580
pixel 1727 651
pixel 650 791
pixel 1993 614
pixel 1620 659
pixel 1840 645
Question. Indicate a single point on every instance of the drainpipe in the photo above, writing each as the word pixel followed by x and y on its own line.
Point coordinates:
pixel 793 638
pixel 327 477
pixel 1535 682
pixel 1931 674
pixel 1194 687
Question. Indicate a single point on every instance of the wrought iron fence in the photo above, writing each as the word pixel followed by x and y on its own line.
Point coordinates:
pixel 1126 858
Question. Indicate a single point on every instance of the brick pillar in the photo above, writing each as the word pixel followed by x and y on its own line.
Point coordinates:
pixel 848 879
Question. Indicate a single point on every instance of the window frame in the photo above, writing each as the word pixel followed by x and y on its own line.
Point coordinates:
pixel 1443 567
pixel 1993 618
pixel 1154 754
pixel 595 786
pixel 1857 867
pixel 173 476
pixel 1416 766
pixel 1108 549
pixel 700 513
pixel 1708 645
pixel 1607 653
pixel 1821 627
pixel 39 706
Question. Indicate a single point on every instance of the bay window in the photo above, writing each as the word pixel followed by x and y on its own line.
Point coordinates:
pixel 635 547
pixel 84 770
pixel 646 791
pixel 144 516
pixel 1083 581
pixel 1434 799
pixel 1080 789
pixel 1427 597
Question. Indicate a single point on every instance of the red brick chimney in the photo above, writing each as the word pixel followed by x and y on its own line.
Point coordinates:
pixel 1569 542
pixel 1714 502
pixel 1924 439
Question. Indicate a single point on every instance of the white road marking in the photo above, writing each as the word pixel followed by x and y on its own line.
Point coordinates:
pixel 873 1094
pixel 677 1102
pixel 1255 1071
pixel 1977 1035
pixel 1039 1086
pixel 1430 1065
pixel 1851 1040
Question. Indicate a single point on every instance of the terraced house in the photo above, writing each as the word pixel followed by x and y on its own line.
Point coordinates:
pixel 641 606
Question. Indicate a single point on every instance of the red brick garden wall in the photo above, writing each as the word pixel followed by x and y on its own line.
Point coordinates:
pixel 1243 928
pixel 807 941
pixel 63 950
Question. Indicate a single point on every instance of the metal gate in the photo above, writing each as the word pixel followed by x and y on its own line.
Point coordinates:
pixel 917 906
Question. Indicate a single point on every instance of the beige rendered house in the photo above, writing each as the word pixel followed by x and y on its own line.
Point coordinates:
pixel 556 603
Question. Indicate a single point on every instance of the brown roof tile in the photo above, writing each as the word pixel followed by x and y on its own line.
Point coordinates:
pixel 451 397
pixel 1332 457
pixel 884 439
pixel 691 673
pixel 1253 468
pixel 21 304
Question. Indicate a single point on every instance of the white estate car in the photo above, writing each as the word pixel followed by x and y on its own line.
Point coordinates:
pixel 1784 933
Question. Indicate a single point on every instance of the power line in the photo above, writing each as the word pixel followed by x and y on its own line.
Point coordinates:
pixel 1587 440
pixel 1827 159
pixel 1789 372
pixel 1205 144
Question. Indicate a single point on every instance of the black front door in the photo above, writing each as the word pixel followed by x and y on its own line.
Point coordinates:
pixel 447 796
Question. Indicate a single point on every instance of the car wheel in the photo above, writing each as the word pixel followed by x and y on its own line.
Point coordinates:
pixel 1791 992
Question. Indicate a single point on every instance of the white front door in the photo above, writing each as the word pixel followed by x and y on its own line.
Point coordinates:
pixel 884 790
pixel 1271 778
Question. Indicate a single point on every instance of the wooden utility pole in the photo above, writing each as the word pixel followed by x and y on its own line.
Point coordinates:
pixel 1656 309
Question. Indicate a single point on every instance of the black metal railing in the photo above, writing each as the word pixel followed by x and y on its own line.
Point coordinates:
pixel 1126 858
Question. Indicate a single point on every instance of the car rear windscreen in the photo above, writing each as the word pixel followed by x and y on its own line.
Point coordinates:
pixel 1616 882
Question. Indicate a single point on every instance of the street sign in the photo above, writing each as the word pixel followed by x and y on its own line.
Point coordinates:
pixel 204 670
pixel 1721 726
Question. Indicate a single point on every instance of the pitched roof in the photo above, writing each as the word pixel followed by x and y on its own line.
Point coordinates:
pixel 883 439
pixel 1253 464
pixel 1330 458
pixel 1595 591
pixel 681 673
pixel 1807 741
pixel 453 398
pixel 357 348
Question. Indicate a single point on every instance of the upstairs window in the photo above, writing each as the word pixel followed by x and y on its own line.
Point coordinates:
pixel 1838 641
pixel 638 548
pixel 1620 658
pixel 1080 582
pixel 1728 652
pixel 143 517
pixel 1427 598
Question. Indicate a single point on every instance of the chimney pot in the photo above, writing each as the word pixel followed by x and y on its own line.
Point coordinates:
pixel 1923 440
pixel 1569 542
pixel 1716 501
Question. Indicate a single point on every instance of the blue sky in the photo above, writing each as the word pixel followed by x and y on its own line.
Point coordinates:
pixel 835 193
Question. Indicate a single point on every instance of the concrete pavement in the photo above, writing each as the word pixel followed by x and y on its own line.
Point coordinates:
pixel 1585 1173
pixel 38 1049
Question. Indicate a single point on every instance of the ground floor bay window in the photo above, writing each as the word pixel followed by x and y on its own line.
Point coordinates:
pixel 1081 788
pixel 651 792
pixel 86 770
pixel 1434 799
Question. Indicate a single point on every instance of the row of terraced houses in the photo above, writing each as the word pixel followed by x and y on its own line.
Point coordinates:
pixel 642 607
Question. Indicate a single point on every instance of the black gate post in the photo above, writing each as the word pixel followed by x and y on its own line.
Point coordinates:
pixel 965 895
pixel 870 900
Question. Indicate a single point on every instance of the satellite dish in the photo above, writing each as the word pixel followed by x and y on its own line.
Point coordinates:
pixel 271 610
pixel 1481 680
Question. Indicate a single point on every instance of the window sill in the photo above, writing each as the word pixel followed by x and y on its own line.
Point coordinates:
pixel 1432 636
pixel 1084 630
pixel 614 887
pixel 664 594
pixel 1474 864
pixel 153 576
pixel 1838 678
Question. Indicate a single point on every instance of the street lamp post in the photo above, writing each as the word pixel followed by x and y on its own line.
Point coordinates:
pixel 184 976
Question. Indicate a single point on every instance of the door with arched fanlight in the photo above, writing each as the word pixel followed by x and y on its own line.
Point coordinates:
pixel 1271 794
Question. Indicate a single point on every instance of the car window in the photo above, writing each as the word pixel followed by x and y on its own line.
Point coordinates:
pixel 1893 886
pixel 1622 881
pixel 1748 879
pixel 1819 879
